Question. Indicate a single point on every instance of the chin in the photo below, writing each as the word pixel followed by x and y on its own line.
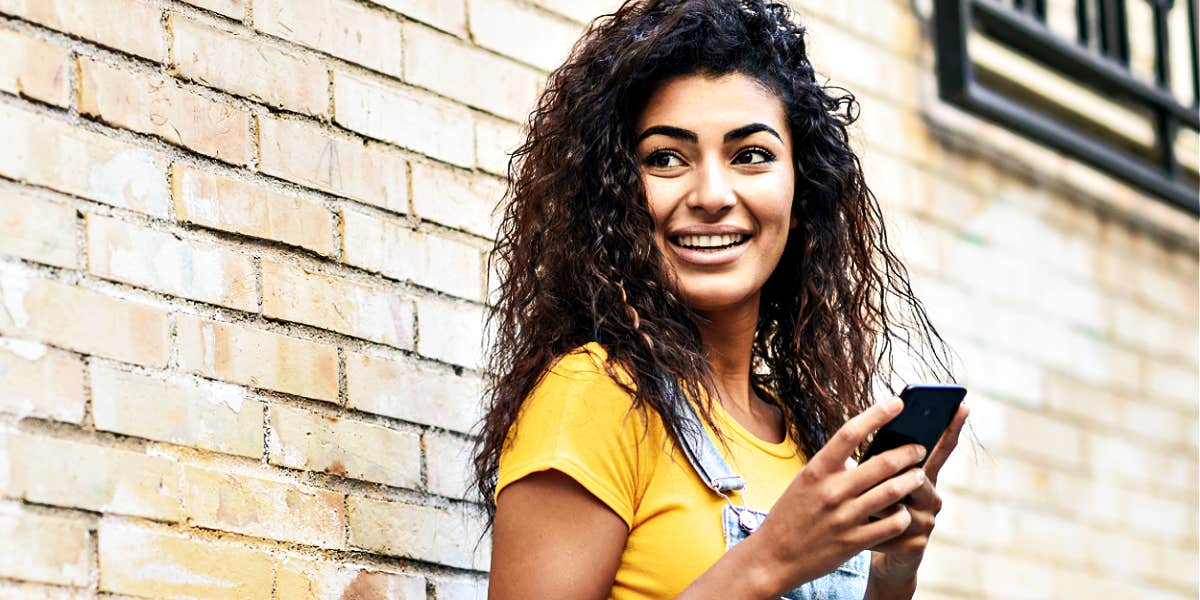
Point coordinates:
pixel 709 296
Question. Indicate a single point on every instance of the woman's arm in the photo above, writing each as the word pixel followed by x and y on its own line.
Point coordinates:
pixel 553 539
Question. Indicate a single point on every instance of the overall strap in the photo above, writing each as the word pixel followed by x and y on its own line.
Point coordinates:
pixel 699 448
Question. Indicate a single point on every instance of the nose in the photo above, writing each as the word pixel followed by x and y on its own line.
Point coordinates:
pixel 714 189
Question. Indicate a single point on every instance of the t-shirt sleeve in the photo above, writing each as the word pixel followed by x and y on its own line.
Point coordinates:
pixel 577 421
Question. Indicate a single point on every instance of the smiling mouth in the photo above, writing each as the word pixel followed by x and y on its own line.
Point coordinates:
pixel 709 242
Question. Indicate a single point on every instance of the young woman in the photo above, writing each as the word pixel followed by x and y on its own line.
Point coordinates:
pixel 696 297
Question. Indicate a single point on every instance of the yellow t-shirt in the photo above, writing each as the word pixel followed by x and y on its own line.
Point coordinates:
pixel 575 421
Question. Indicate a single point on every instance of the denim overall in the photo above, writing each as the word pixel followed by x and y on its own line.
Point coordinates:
pixel 847 582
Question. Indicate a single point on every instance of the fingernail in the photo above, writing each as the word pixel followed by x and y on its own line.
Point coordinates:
pixel 894 406
pixel 921 452
pixel 920 476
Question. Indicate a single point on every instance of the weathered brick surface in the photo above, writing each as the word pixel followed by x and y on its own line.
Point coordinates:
pixel 456 198
pixel 51 549
pixel 411 391
pixel 160 106
pixel 131 25
pixel 177 409
pixel 156 260
pixel 248 356
pixel 342 28
pixel 241 207
pixel 92 477
pixel 82 320
pixel 259 507
pixel 450 67
pixel 404 116
pixel 406 530
pixel 51 153
pixel 344 447
pixel 40 381
pixel 305 154
pixel 239 65
pixel 34 68
pixel 314 580
pixel 152 562
pixel 294 313
pixel 427 259
pixel 372 313
pixel 37 229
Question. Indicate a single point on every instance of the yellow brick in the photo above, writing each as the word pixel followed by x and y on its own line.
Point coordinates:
pixel 385 246
pixel 160 106
pixel 405 117
pixel 252 357
pixel 344 447
pixel 130 25
pixel 263 508
pixel 450 67
pixel 37 229
pixel 54 154
pixel 46 548
pixel 371 313
pixel 447 16
pixel 432 534
pixel 82 320
pixel 157 563
pixel 302 579
pixel 234 9
pixel 39 381
pixel 97 478
pixel 505 26
pixel 33 68
pixel 250 209
pixel 387 387
pixel 342 28
pixel 247 67
pixel 304 154
pixel 177 409
pixel 456 198
pixel 157 260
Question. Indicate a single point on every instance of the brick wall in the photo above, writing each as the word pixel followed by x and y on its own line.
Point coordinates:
pixel 242 265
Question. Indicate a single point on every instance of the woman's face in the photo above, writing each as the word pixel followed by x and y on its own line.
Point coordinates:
pixel 716 162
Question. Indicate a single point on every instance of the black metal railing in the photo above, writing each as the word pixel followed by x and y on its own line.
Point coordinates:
pixel 1098 59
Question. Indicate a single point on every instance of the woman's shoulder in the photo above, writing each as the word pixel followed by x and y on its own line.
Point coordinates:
pixel 586 367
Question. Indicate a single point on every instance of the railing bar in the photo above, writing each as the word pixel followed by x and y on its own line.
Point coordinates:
pixel 1191 8
pixel 1082 23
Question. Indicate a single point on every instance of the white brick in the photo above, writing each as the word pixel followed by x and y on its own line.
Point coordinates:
pixel 456 198
pixel 450 67
pixel 405 530
pixel 448 462
pixel 157 260
pixel 177 409
pixel 451 331
pixel 367 312
pixel 34 68
pixel 54 154
pixel 129 25
pixel 302 579
pixel 342 28
pixel 405 117
pixel 413 392
pixel 248 67
pixel 426 259
pixel 344 447
pixel 51 549
pixel 447 16
pixel 40 381
pixel 495 141
pixel 365 171
pixel 509 28
pixel 583 11
pixel 37 229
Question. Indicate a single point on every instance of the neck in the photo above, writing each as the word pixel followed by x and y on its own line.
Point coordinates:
pixel 728 337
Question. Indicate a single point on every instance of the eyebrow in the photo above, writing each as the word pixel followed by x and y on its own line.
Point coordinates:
pixel 690 136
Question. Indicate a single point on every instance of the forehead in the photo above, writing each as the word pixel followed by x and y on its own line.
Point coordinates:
pixel 701 102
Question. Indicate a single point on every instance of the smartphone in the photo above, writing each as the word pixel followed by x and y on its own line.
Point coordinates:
pixel 928 410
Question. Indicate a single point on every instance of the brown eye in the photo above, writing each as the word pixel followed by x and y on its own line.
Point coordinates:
pixel 751 156
pixel 663 160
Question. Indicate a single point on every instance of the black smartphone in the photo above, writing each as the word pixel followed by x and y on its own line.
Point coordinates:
pixel 928 410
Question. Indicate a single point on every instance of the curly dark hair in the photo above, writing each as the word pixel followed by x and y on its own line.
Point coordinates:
pixel 579 263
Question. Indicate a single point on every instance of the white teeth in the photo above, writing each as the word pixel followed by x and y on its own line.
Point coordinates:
pixel 709 241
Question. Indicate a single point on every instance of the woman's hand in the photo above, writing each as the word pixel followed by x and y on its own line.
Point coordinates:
pixel 894 563
pixel 821 520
